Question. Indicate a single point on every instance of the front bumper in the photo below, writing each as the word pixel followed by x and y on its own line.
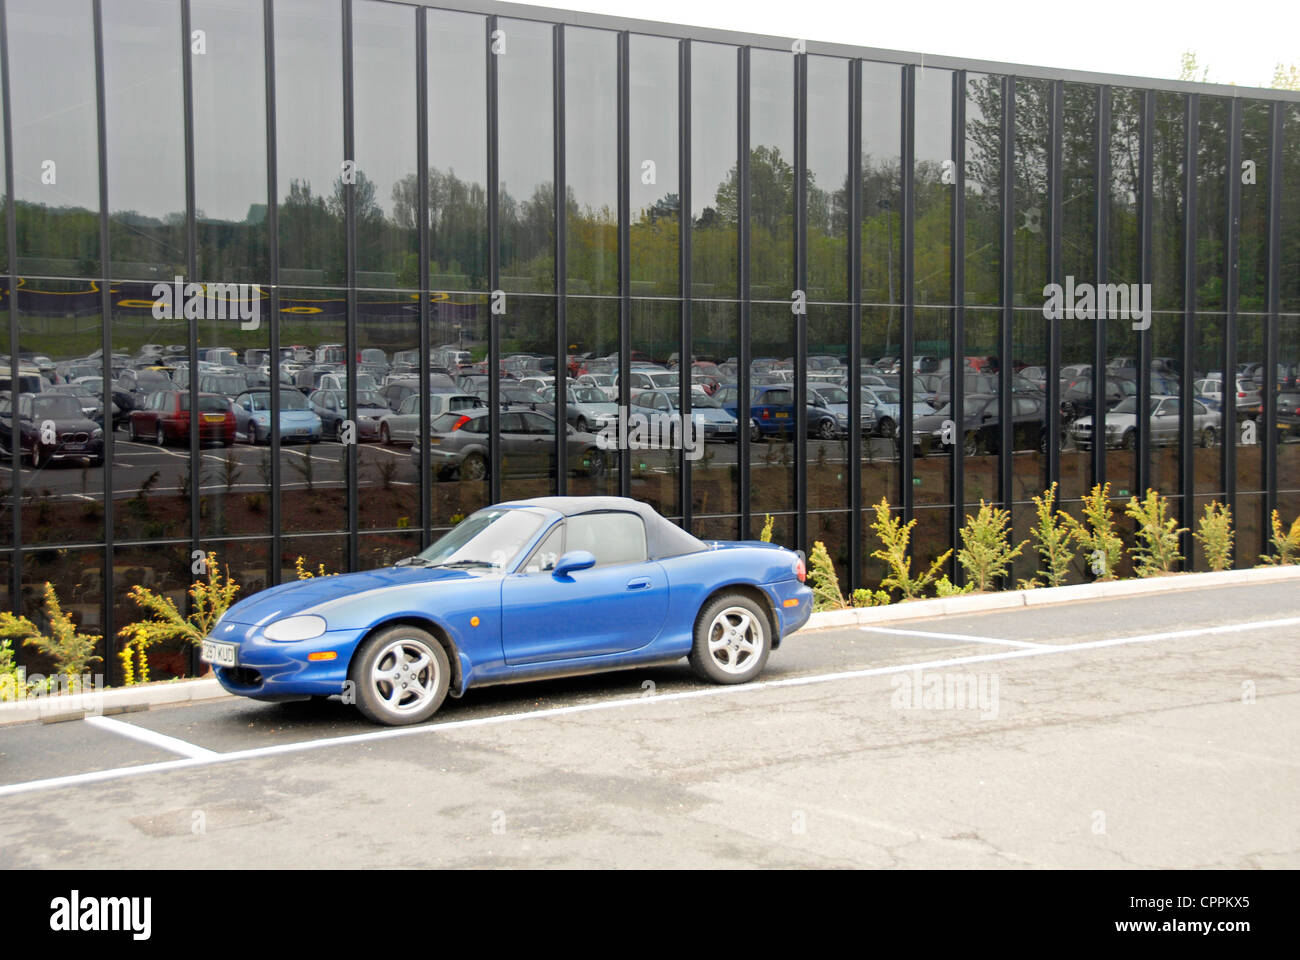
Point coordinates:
pixel 270 670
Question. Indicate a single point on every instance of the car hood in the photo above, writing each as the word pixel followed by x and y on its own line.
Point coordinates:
pixel 306 596
pixel 713 414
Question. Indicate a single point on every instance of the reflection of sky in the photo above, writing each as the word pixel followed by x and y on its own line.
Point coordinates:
pixel 384 88
pixel 591 120
pixel 713 121
pixel 309 95
pixel 652 110
pixel 457 66
pixel 525 108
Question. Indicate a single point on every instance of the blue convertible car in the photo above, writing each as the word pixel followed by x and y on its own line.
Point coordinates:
pixel 519 591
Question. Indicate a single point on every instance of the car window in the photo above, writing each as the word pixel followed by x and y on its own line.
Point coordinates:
pixel 547 552
pixel 537 424
pixel 610 537
pixel 512 423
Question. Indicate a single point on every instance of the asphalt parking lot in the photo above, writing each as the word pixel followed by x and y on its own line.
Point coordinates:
pixel 1154 731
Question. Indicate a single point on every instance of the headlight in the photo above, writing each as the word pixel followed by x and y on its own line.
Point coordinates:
pixel 97 433
pixel 295 628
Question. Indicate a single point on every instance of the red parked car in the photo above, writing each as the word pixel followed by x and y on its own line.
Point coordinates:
pixel 164 418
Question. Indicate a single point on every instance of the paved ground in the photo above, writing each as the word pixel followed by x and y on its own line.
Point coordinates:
pixel 1142 732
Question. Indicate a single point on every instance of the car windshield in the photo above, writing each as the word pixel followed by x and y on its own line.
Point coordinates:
pixel 491 538
pixel 833 394
pixel 1130 405
pixel 289 400
pixel 882 395
pixel 56 407
pixel 589 395
pixel 663 379
pixel 704 402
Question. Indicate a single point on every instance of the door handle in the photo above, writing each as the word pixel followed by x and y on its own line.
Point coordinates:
pixel 640 583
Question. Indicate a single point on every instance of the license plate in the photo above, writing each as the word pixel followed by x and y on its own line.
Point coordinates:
pixel 299 433
pixel 435 440
pixel 780 415
pixel 214 417
pixel 219 654
pixel 74 446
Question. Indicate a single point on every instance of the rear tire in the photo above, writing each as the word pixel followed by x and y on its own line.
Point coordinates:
pixel 400 676
pixel 1207 437
pixel 732 640
pixel 474 468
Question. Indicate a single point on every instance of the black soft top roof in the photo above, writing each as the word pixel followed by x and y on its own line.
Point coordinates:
pixel 663 538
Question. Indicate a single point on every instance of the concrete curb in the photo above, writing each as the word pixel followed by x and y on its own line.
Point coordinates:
pixel 1010 599
pixel 108 702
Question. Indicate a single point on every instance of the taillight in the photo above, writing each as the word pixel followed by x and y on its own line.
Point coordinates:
pixel 460 423
pixel 765 414
pixel 800 569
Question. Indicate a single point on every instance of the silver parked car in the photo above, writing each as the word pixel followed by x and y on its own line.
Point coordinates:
pixel 404 426
pixel 458 443
pixel 1164 422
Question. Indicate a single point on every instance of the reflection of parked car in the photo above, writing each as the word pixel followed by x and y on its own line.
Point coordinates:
pixel 715 422
pixel 459 442
pixel 51 426
pixel 772 410
pixel 587 408
pixel 253 417
pixel 332 408
pixel 223 384
pixel 165 418
pixel 981 428
pixel 1164 424
pixel 886 402
pixel 404 425
pixel 825 396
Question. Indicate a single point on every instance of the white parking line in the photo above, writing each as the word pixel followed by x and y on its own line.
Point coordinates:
pixel 208 757
pixel 151 737
pixel 955 636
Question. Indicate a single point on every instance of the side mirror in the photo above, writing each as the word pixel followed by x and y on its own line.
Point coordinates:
pixel 572 561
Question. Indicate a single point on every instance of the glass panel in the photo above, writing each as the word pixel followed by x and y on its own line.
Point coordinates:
pixel 55 143
pixel 59 434
pixel 314 552
pixel 591 160
pixel 309 142
pixel 1033 118
pixel 881 331
pixel 828 181
pixel 656 337
pixel 771 175
pixel 980 434
pixel 1210 426
pixel 1249 432
pixel 881 183
pixel 715 326
pixel 459 321
pixel 1289 268
pixel 1211 203
pixel 1288 417
pixel 593 412
pixel 933 171
pixel 713 170
pixel 166 569
pixel 457 69
pixel 826 470
pixel 230 141
pixel 652 139
pixel 934 433
pixel 1167 242
pixel 78 579
pixel 771 458
pixel 146 139
pixel 527 446
pixel 1256 147
pixel 526 139
pixel 983 145
pixel 313 493
pixel 388 479
pixel 1125 182
pixel 387 184
pixel 385 549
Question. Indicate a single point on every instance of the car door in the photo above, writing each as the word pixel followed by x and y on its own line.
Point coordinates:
pixel 617 606
pixel 1165 423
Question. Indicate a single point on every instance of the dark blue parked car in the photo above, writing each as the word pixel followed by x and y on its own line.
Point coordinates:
pixel 534 588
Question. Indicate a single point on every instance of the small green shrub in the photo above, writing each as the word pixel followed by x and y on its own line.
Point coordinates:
pixel 870 598
pixel 1096 533
pixel 70 650
pixel 986 552
pixel 13 679
pixel 943 587
pixel 1052 539
pixel 1215 535
pixel 821 576
pixel 894 536
pixel 1286 543
pixel 766 535
pixel 1155 549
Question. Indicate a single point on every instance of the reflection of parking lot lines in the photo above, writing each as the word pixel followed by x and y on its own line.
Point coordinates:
pixel 208 757
pixel 965 638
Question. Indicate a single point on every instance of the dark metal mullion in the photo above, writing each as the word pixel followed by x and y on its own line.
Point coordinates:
pixel 352 450
pixel 1006 347
pixel 11 235
pixel 687 333
pixel 957 331
pixel 192 270
pixel 273 270
pixel 1273 328
pixel 422 213
pixel 800 470
pixel 561 447
pixel 1056 271
pixel 1146 186
pixel 110 662
pixel 855 323
pixel 624 259
pixel 1232 292
pixel 1101 254
pixel 1187 423
pixel 742 259
pixel 907 228
pixel 494 271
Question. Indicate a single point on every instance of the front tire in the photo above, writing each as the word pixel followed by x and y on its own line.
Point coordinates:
pixel 1207 437
pixel 400 676
pixel 732 640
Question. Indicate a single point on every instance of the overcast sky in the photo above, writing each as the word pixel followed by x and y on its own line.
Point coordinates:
pixel 1240 41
